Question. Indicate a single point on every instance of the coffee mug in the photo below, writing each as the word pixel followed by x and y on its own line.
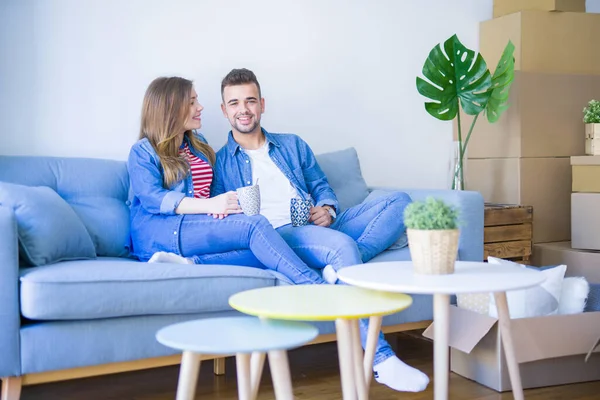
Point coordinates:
pixel 249 198
pixel 300 211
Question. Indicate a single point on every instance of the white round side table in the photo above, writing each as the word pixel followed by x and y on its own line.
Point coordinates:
pixel 469 277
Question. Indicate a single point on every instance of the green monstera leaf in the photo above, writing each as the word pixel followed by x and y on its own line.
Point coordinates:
pixel 501 82
pixel 457 74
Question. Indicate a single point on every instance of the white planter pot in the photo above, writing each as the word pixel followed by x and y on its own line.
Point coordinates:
pixel 433 252
pixel 592 139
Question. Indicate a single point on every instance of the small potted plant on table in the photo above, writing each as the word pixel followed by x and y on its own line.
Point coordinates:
pixel 432 230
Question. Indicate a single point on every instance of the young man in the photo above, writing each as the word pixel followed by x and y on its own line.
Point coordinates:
pixel 285 168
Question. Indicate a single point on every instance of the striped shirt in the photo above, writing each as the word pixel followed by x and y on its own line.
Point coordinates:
pixel 202 173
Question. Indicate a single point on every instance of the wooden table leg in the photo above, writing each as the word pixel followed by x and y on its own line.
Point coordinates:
pixel 372 336
pixel 188 375
pixel 441 317
pixel 242 361
pixel 11 388
pixel 362 390
pixel 344 342
pixel 509 351
pixel 257 363
pixel 280 373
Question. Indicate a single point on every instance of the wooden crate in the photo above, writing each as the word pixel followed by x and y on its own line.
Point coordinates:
pixel 508 232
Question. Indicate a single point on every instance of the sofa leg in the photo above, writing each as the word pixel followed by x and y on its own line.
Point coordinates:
pixel 11 388
pixel 218 366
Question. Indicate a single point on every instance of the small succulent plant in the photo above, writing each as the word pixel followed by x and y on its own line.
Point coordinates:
pixel 431 214
pixel 591 113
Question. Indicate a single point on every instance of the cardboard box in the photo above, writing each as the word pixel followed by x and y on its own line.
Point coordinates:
pixel 504 7
pixel 560 42
pixel 585 221
pixel 586 174
pixel 584 263
pixel 543 183
pixel 544 118
pixel 550 350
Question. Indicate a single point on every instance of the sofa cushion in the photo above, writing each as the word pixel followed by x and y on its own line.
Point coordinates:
pixel 116 287
pixel 402 254
pixel 342 170
pixel 49 230
pixel 96 189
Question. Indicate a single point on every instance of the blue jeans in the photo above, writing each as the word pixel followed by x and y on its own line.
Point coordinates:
pixel 357 235
pixel 202 235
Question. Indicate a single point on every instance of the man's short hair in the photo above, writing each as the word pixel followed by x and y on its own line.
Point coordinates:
pixel 240 76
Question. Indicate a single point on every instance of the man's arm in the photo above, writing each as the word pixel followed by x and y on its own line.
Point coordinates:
pixel 315 179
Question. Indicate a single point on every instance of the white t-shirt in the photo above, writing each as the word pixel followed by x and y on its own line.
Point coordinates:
pixel 276 190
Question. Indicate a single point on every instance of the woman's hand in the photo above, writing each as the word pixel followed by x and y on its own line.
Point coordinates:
pixel 224 204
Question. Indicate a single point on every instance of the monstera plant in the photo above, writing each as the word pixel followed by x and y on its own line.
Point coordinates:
pixel 459 78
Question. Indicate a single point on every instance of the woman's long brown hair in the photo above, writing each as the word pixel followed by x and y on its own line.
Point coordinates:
pixel 164 113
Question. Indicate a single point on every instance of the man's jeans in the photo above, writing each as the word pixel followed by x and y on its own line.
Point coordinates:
pixel 357 235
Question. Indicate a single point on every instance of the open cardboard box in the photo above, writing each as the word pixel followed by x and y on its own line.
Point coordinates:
pixel 551 350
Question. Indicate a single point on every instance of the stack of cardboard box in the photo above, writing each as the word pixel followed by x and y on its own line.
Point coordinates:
pixel 524 158
pixel 582 252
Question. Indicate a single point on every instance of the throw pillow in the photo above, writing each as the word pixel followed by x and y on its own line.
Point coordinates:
pixel 403 239
pixel 49 230
pixel 343 173
pixel 574 293
pixel 531 302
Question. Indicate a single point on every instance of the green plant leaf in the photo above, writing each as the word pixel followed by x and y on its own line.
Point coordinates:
pixel 501 81
pixel 456 74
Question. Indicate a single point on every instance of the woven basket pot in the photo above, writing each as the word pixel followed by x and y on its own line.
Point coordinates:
pixel 433 252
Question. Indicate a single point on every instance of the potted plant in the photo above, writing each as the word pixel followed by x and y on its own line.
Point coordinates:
pixel 459 78
pixel 432 230
pixel 591 118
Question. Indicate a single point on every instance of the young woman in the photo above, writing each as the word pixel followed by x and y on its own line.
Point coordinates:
pixel 172 214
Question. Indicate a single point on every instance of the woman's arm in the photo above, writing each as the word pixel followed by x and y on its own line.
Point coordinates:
pixel 147 185
pixel 221 205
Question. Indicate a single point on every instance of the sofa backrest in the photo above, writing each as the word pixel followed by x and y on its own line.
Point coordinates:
pixel 342 169
pixel 96 189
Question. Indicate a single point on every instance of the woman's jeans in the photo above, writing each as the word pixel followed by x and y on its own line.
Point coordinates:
pixel 201 234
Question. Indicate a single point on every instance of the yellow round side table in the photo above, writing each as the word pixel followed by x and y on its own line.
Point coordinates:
pixel 340 303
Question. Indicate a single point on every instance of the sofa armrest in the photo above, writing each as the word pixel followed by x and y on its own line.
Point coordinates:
pixel 471 208
pixel 10 321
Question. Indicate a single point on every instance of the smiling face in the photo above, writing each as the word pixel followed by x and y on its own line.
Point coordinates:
pixel 243 107
pixel 195 109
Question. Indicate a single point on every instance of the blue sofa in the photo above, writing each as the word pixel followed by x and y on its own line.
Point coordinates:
pixel 84 314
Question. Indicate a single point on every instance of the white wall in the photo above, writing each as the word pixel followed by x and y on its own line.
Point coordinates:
pixel 339 73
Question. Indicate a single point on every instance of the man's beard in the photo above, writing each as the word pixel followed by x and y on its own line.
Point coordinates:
pixel 246 128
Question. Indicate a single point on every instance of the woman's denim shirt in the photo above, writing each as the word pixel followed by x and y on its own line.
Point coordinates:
pixel 154 223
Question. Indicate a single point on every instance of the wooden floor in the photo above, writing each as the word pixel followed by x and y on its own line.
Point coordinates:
pixel 315 376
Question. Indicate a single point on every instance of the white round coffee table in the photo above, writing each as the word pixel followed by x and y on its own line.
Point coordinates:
pixel 469 277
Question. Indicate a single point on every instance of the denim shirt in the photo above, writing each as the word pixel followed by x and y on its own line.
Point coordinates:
pixel 293 157
pixel 154 223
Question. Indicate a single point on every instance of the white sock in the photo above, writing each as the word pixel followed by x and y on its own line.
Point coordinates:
pixel 330 275
pixel 399 376
pixel 171 258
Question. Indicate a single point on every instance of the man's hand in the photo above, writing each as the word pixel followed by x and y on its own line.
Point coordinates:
pixel 320 216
